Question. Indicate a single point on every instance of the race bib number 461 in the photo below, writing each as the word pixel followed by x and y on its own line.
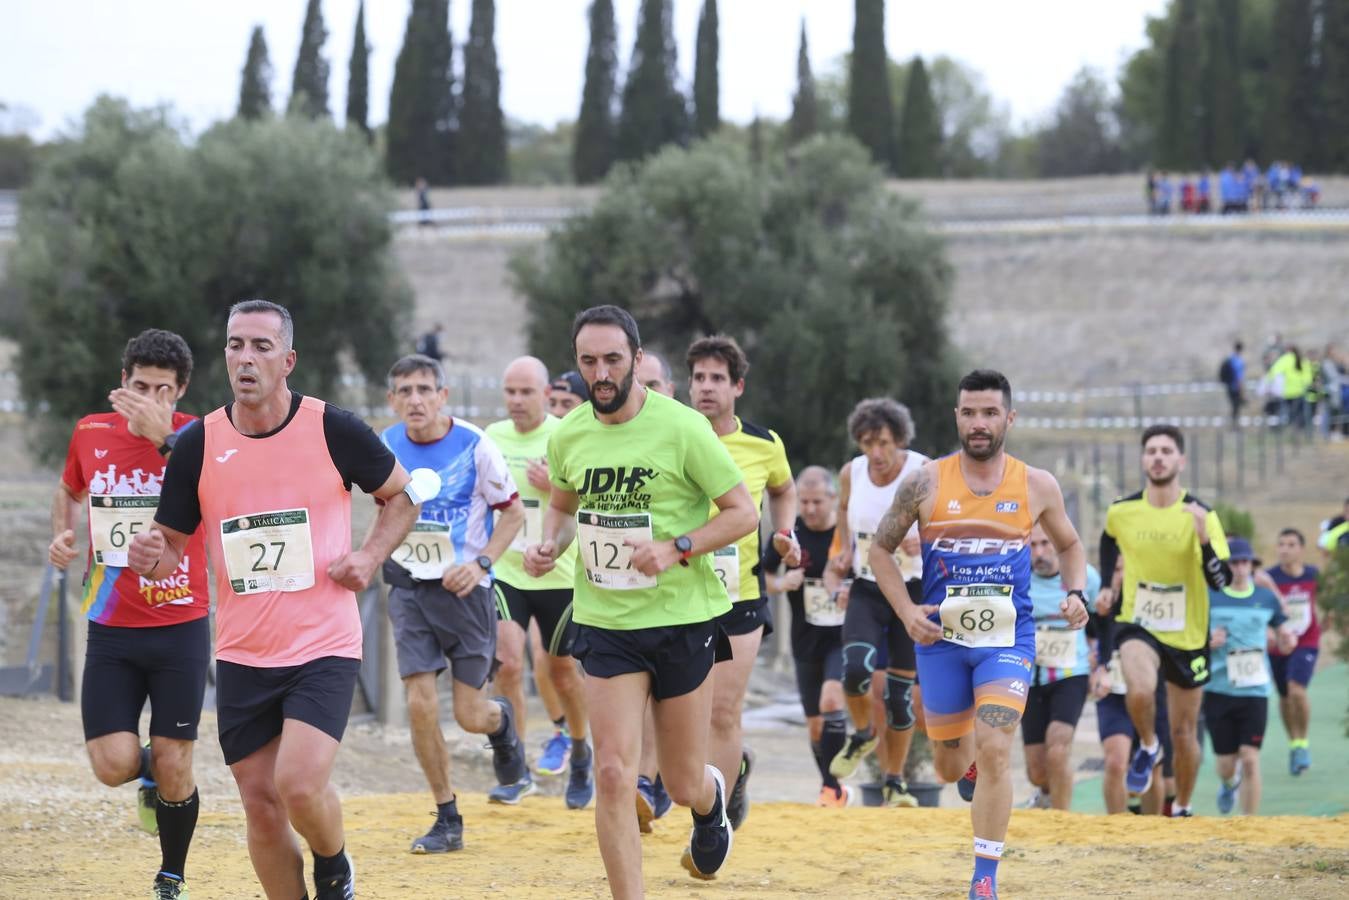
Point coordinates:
pixel 979 615
pixel 605 553
pixel 114 519
pixel 269 551
pixel 1160 607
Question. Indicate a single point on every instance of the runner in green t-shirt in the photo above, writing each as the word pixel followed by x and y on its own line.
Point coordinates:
pixel 634 475
pixel 523 441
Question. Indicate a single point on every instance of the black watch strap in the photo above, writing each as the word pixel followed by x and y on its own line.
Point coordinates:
pixel 484 562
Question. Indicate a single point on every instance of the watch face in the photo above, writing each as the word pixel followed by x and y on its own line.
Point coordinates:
pixel 683 544
pixel 484 562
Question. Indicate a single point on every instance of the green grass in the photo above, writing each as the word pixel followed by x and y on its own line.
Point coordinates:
pixel 1321 791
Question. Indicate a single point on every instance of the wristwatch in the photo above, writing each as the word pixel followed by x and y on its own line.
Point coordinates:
pixel 1080 595
pixel 167 447
pixel 484 562
pixel 684 544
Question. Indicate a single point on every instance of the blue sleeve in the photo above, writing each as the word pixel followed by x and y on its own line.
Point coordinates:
pixel 1275 608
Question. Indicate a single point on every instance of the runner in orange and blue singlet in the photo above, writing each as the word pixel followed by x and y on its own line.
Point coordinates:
pixel 975 632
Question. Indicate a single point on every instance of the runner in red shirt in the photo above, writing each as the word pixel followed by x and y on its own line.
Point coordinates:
pixel 147 639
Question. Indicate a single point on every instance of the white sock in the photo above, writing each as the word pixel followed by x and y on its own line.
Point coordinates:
pixel 991 849
pixel 1154 746
pixel 1177 809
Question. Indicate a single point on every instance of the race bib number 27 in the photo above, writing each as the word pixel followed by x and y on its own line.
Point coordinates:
pixel 269 551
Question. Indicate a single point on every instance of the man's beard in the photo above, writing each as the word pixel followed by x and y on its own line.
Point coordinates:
pixel 994 445
pixel 1163 480
pixel 621 392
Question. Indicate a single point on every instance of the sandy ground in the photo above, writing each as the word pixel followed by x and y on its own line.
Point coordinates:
pixel 59 827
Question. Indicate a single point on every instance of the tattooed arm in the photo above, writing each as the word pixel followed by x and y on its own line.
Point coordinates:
pixel 911 499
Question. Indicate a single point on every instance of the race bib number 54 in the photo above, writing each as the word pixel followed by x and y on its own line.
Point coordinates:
pixel 607 558
pixel 270 551
pixel 979 615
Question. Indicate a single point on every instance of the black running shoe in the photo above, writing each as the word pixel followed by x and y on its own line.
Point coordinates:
pixel 508 756
pixel 446 835
pixel 737 805
pixel 710 842
pixel 966 783
pixel 341 887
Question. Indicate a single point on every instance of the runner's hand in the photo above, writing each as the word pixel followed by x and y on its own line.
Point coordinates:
pixel 841 562
pixel 148 417
pixel 1105 601
pixel 537 473
pixel 922 629
pixel 1217 638
pixel 145 551
pixel 792 578
pixel 1200 520
pixel 61 552
pixel 652 557
pixel 1099 682
pixel 787 547
pixel 540 559
pixel 354 571
pixel 460 580
pixel 1074 610
pixel 841 596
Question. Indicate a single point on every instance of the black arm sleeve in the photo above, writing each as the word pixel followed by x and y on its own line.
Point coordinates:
pixel 357 452
pixel 179 503
pixel 1105 639
pixel 770 558
pixel 1217 572
pixel 1109 559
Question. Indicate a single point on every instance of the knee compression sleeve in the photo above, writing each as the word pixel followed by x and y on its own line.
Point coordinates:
pixel 899 702
pixel 859 661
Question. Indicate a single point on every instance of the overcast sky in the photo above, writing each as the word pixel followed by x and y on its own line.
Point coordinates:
pixel 55 58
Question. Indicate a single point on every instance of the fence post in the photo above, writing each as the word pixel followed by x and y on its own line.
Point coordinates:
pixel 1194 454
pixel 1096 476
pixel 1218 465
pixel 65 687
pixel 1278 450
pixel 1241 461
pixel 1264 428
pixel 1119 468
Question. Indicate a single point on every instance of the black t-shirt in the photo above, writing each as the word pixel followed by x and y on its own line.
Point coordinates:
pixel 358 454
pixel 809 642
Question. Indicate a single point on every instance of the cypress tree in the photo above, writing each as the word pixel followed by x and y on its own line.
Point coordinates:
pixel 1223 125
pixel 870 114
pixel 358 77
pixel 1292 130
pixel 420 131
pixel 706 81
pixel 655 113
pixel 805 119
pixel 309 86
pixel 593 152
pixel 255 87
pixel 482 127
pixel 1335 86
pixel 919 146
pixel 1181 139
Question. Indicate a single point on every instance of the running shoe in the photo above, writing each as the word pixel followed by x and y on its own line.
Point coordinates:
pixel 508 756
pixel 710 842
pixel 1139 777
pixel 646 804
pixel 581 783
pixel 556 752
pixel 983 889
pixel 846 761
pixel 663 801
pixel 166 888
pixel 737 807
pixel 343 887
pixel 1039 799
pixel 829 797
pixel 895 794
pixel 966 783
pixel 1299 760
pixel 445 835
pixel 1227 793
pixel 1179 813
pixel 513 793
pixel 147 797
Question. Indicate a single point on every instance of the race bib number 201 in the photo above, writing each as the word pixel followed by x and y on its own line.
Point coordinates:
pixel 426 552
pixel 605 553
pixel 269 551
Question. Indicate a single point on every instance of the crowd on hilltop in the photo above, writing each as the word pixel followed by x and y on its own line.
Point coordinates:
pixel 1302 389
pixel 1247 189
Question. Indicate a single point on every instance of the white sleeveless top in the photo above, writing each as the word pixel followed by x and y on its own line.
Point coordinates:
pixel 867 504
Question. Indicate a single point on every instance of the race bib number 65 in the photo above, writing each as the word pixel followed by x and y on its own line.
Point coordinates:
pixel 270 551
pixel 114 520
pixel 607 558
pixel 979 615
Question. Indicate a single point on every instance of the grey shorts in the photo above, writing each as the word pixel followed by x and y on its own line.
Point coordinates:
pixel 432 625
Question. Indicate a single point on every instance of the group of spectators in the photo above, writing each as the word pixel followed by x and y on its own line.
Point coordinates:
pixel 1302 389
pixel 1248 189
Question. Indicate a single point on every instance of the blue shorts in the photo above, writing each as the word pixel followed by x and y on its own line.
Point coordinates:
pixel 1112 718
pixel 1297 666
pixel 956 679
